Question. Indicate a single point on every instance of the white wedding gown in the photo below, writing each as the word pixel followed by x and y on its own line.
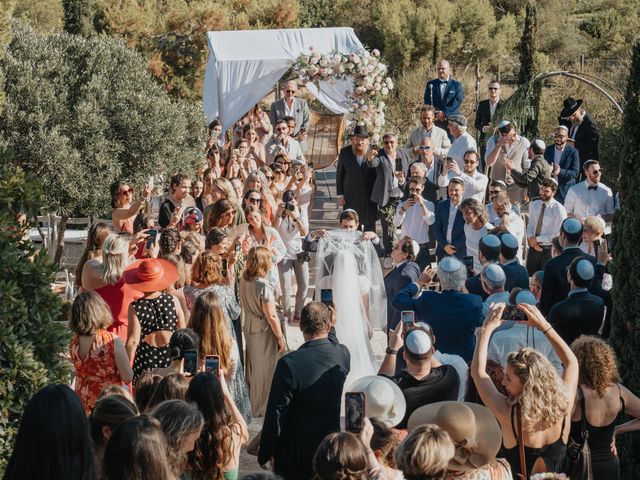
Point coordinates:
pixel 348 268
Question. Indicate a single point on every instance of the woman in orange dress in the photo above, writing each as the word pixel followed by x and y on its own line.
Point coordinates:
pixel 98 356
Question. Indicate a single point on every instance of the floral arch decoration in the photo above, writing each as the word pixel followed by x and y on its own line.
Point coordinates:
pixel 370 82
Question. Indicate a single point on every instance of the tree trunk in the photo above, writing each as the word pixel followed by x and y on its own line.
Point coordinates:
pixel 60 238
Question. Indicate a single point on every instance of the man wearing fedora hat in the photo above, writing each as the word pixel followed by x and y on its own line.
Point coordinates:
pixel 305 397
pixel 582 313
pixel 355 180
pixel 476 435
pixel 555 284
pixel 420 382
pixel 583 132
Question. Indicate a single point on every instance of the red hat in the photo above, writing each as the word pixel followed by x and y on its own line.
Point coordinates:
pixel 150 274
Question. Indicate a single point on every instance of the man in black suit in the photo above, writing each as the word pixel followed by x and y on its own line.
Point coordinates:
pixel 354 180
pixel 484 117
pixel 391 166
pixel 517 275
pixel 583 133
pixel 555 285
pixel 582 313
pixel 305 397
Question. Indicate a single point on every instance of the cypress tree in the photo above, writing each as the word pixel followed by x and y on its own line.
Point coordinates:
pixel 78 17
pixel 626 264
pixel 528 49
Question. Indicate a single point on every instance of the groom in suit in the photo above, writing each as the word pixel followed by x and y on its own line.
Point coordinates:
pixel 445 94
pixel 305 397
pixel 449 225
pixel 564 161
pixel 355 180
pixel 297 108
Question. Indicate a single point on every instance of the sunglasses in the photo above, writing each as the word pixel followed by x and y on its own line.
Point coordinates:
pixel 596 172
pixel 290 91
pixel 278 172
pixel 389 142
pixel 494 88
pixel 126 192
pixel 270 178
pixel 254 200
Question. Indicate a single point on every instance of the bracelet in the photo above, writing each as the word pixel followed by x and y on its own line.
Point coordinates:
pixel 391 351
pixel 550 328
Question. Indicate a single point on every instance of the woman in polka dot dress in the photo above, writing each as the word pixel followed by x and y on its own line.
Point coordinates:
pixel 154 317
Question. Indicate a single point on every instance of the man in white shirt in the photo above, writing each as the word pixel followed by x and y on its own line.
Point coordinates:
pixel 282 142
pixel 504 215
pixel 590 197
pixel 495 187
pixel 463 142
pixel 475 183
pixel 415 215
pixel 545 219
pixel 440 142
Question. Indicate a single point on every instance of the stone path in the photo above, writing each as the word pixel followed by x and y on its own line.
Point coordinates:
pixel 324 215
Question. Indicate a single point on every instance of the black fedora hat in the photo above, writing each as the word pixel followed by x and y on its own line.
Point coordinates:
pixel 570 105
pixel 360 131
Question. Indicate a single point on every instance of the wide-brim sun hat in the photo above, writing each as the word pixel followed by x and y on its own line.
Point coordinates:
pixel 150 274
pixel 383 399
pixel 474 430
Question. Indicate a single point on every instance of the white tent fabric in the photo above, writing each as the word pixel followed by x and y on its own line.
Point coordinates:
pixel 244 65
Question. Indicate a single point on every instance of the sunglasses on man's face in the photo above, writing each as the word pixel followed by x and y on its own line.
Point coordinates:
pixel 269 178
pixel 493 88
pixel 389 142
pixel 290 91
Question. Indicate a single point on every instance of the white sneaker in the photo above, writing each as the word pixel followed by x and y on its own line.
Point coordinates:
pixel 388 263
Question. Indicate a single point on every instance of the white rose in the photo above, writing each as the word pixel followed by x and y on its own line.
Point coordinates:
pixel 376 52
pixel 384 91
pixel 303 72
pixel 313 61
pixel 323 63
pixel 355 59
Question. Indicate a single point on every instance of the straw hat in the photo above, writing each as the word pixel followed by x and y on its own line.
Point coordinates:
pixel 473 428
pixel 150 274
pixel 383 399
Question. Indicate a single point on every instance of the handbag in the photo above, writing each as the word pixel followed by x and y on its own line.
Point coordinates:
pixel 578 457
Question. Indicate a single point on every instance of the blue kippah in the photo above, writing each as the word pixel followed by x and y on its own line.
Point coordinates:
pixel 504 123
pixel 525 296
pixel 584 269
pixel 494 273
pixel 450 264
pixel 491 240
pixel 509 241
pixel 572 226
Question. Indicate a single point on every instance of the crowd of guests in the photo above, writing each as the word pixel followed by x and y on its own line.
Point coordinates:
pixel 179 330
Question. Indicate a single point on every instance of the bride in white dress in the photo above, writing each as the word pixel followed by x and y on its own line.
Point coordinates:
pixel 350 267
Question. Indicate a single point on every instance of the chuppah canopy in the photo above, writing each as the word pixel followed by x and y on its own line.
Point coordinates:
pixel 244 65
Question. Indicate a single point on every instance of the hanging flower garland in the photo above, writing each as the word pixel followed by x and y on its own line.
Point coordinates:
pixel 370 81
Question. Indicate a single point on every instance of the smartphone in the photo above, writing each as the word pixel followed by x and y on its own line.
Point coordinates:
pixel 596 243
pixel 408 318
pixel 212 364
pixel 354 412
pixel 468 262
pixel 399 165
pixel 326 296
pixel 238 248
pixel 225 266
pixel 151 239
pixel 191 362
pixel 511 312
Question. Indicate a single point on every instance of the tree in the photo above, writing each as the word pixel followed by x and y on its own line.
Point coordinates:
pixel 6 11
pixel 78 17
pixel 88 113
pixel 32 336
pixel 528 69
pixel 626 265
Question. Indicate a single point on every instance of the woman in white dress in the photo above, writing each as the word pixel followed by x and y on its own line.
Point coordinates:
pixel 350 267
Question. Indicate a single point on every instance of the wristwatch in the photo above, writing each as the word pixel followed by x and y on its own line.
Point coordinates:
pixel 391 351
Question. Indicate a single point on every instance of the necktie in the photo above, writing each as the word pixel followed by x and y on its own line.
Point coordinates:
pixel 592 187
pixel 540 218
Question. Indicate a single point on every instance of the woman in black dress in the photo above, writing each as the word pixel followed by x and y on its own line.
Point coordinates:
pixel 154 317
pixel 605 401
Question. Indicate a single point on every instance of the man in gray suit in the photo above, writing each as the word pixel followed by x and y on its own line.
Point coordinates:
pixel 290 106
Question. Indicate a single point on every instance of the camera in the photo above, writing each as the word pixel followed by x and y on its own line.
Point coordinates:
pixel 289 206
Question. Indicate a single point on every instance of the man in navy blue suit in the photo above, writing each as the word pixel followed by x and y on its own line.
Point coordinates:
pixel 406 271
pixel 582 313
pixel 555 285
pixel 564 161
pixel 448 227
pixel 445 94
pixel 517 275
pixel 453 315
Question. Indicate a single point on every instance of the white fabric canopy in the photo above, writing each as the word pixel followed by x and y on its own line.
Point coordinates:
pixel 244 66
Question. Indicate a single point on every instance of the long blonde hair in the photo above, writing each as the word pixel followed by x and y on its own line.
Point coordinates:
pixel 115 258
pixel 258 263
pixel 543 399
pixel 597 363
pixel 209 322
pixel 98 233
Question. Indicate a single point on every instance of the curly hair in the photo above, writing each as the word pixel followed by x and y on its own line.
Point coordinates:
pixel 543 400
pixel 597 361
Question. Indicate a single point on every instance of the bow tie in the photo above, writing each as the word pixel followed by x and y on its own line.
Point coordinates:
pixel 444 81
pixel 592 187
